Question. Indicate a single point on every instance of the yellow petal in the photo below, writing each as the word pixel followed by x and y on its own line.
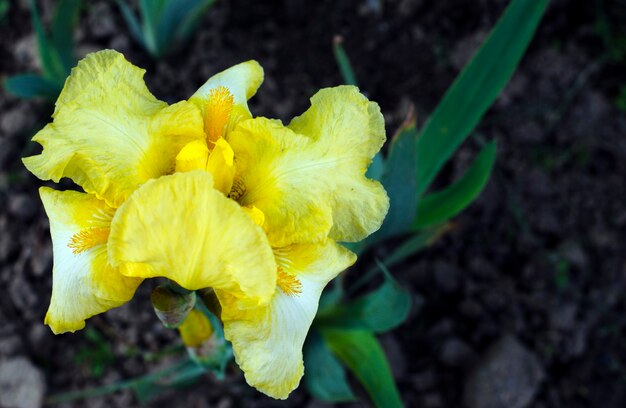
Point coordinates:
pixel 312 183
pixel 109 133
pixel 193 156
pixel 196 329
pixel 257 215
pixel 181 228
pixel 221 165
pixel 351 129
pixel 241 80
pixel 268 341
pixel 83 283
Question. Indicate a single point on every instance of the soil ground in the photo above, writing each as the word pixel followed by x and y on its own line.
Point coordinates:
pixel 532 276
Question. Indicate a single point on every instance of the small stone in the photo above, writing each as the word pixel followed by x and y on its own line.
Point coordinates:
pixel 101 21
pixel 22 294
pixel 9 345
pixel 395 355
pixel 21 384
pixel 424 380
pixel 563 317
pixel 120 43
pixel 507 376
pixel 432 400
pixel 41 260
pixel 446 277
pixel 17 120
pixel 9 248
pixel 25 52
pixel 529 132
pixel 22 206
pixel 470 308
pixel 456 353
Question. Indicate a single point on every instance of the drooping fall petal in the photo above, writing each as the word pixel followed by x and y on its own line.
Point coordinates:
pixel 268 341
pixel 83 282
pixel 181 228
pixel 109 133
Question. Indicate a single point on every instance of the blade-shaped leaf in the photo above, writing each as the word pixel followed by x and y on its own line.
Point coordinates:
pixel 31 86
pixel 345 67
pixel 50 60
pixel 379 311
pixel 63 23
pixel 151 12
pixel 191 19
pixel 476 88
pixel 440 206
pixel 324 375
pixel 363 355
pixel 399 179
pixel 375 170
pixel 415 244
pixel 131 21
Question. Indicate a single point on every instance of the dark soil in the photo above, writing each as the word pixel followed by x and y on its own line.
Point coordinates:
pixel 532 274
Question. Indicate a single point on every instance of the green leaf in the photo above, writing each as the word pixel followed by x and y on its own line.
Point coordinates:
pixel 180 375
pixel 379 311
pixel 63 23
pixel 151 11
pixel 50 60
pixel 31 86
pixel 400 181
pixel 325 377
pixel 5 6
pixel 345 67
pixel 131 22
pixel 363 355
pixel 476 88
pixel 375 170
pixel 181 18
pixel 439 207
pixel 415 244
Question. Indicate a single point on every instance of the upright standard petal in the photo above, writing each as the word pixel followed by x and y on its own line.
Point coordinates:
pixel 241 80
pixel 109 133
pixel 181 228
pixel 268 341
pixel 83 282
pixel 346 125
pixel 309 178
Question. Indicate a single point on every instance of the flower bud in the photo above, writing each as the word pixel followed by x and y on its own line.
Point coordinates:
pixel 172 306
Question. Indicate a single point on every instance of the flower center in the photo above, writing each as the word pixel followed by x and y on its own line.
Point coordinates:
pixel 217 111
pixel 288 283
pixel 87 239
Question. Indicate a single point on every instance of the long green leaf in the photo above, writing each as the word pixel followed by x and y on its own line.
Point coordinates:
pixel 192 18
pixel 151 11
pixel 476 88
pixel 439 207
pixel 50 60
pixel 415 244
pixel 379 311
pixel 345 67
pixel 63 23
pixel 361 352
pixel 324 376
pixel 32 86
pixel 131 21
pixel 400 181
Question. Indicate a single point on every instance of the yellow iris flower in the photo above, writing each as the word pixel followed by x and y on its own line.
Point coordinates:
pixel 206 195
